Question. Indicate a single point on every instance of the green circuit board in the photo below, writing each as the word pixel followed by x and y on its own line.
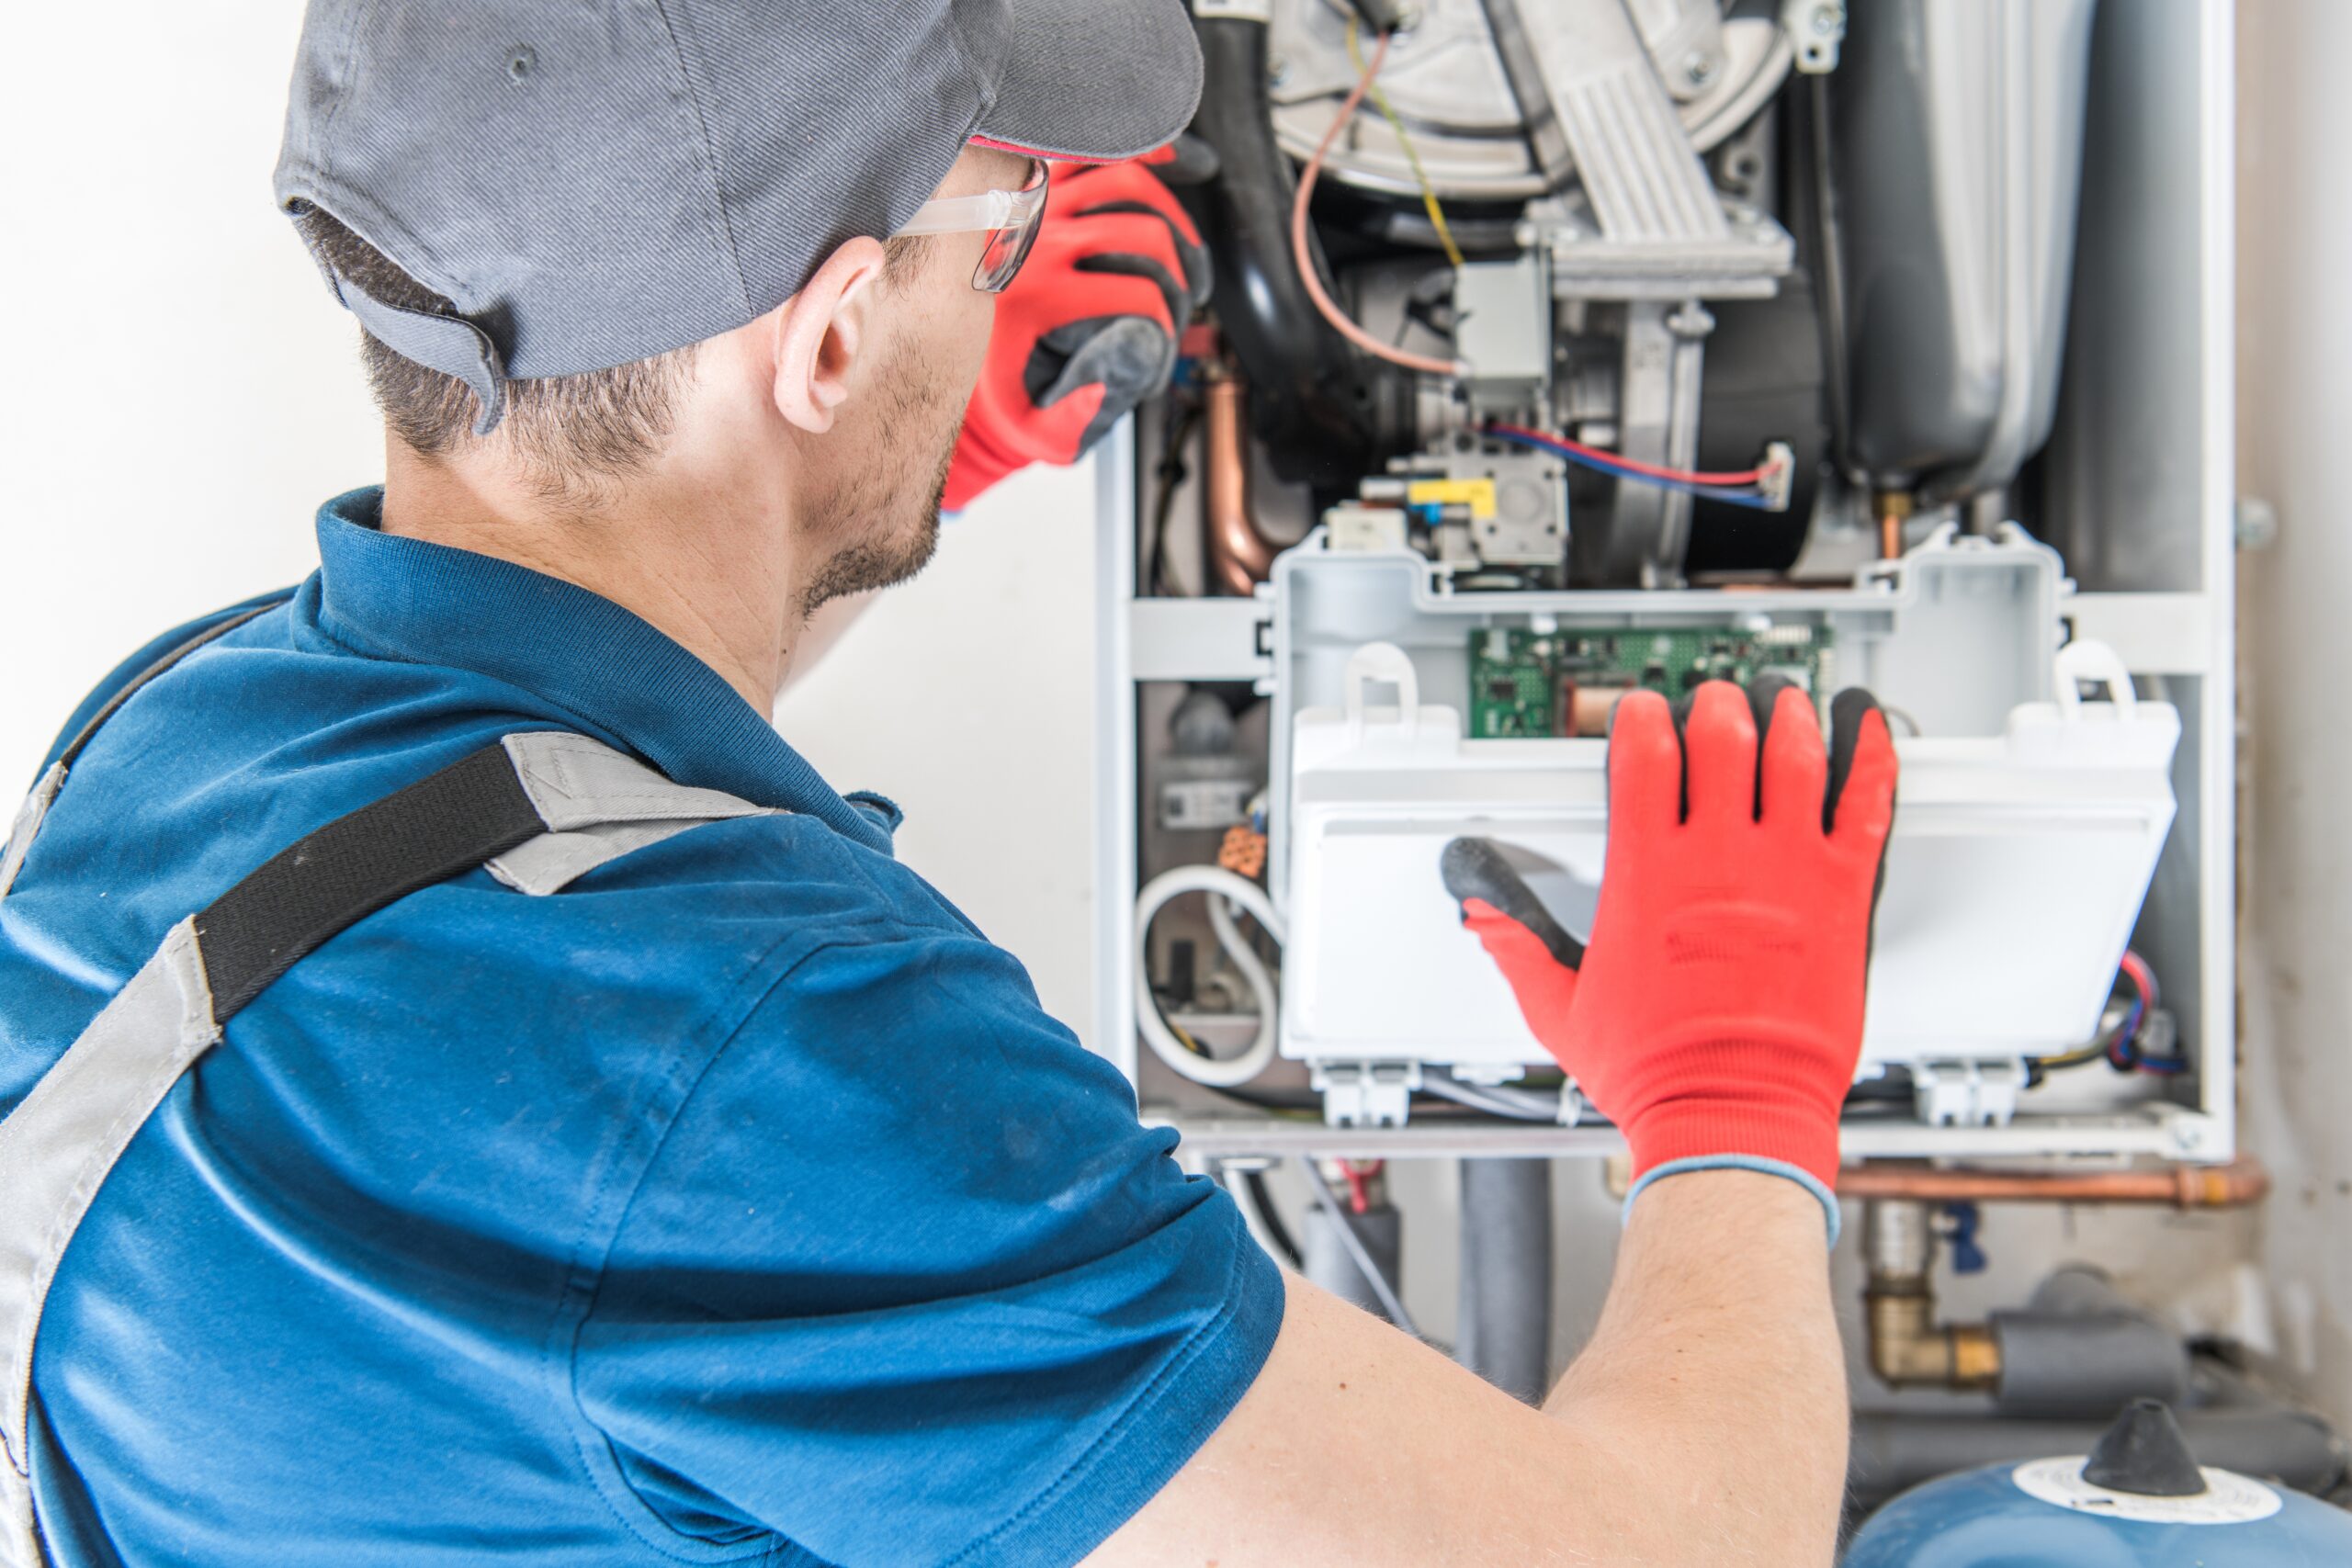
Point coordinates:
pixel 1531 683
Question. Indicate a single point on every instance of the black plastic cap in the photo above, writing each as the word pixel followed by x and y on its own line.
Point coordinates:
pixel 2144 1453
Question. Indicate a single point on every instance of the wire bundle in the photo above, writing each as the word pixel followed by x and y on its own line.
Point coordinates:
pixel 2119 1048
pixel 1737 487
pixel 2123 1051
pixel 1301 242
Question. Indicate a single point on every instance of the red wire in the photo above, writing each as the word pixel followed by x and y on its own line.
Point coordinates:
pixel 1358 1195
pixel 1655 470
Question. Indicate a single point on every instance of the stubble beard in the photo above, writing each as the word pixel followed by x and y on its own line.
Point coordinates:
pixel 884 523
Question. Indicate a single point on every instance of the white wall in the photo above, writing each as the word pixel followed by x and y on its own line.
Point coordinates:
pixel 2294 410
pixel 968 698
pixel 182 392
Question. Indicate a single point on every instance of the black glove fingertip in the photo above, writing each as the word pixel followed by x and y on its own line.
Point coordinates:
pixel 1477 868
pixel 1846 711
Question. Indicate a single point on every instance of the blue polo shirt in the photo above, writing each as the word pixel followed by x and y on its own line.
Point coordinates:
pixel 737 1204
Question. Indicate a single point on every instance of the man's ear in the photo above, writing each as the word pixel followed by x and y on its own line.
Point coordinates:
pixel 821 331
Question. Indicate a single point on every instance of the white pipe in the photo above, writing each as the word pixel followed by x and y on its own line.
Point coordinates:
pixel 1223 887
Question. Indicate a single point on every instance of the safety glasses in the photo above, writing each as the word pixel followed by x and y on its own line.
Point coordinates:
pixel 1011 217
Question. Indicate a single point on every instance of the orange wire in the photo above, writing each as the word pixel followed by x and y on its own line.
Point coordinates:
pixel 1304 254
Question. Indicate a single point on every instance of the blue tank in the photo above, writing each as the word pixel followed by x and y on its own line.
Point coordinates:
pixel 2136 1501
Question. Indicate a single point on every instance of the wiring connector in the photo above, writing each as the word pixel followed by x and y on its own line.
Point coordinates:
pixel 1243 851
pixel 1777 475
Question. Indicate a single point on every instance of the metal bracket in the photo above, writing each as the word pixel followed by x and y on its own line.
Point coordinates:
pixel 2197 1136
pixel 1366 1094
pixel 1649 527
pixel 1650 224
pixel 1215 638
pixel 1817 29
pixel 1594 104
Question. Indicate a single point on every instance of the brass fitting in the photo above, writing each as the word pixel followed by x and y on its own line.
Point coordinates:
pixel 1907 1347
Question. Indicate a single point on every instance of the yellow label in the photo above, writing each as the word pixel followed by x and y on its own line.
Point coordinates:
pixel 1476 494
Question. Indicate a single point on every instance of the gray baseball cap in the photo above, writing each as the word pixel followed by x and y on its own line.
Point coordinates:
pixel 592 182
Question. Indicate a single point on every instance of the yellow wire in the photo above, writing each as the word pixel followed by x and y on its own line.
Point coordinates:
pixel 1429 191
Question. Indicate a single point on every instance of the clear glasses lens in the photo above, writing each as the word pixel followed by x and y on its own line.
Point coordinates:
pixel 1009 247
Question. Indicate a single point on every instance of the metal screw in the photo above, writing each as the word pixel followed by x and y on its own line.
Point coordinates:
pixel 2254 526
pixel 1699 70
pixel 1827 18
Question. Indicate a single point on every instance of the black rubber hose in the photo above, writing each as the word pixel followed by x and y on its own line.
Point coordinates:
pixel 1327 414
pixel 1505 1319
pixel 1262 1198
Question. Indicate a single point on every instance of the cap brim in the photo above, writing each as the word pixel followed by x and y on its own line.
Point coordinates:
pixel 1095 79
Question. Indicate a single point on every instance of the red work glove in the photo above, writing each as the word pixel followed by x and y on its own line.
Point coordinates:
pixel 1717 1014
pixel 1087 328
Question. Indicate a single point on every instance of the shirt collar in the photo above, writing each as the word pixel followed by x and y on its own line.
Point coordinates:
pixel 432 604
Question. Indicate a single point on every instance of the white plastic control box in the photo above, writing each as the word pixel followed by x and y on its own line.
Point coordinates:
pixel 2015 871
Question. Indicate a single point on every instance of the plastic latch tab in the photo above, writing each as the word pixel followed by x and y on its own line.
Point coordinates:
pixel 1383 663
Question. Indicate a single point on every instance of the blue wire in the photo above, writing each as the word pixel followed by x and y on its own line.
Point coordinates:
pixel 1601 465
pixel 2125 1051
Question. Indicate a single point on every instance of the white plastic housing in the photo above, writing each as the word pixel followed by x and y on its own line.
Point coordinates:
pixel 2017 867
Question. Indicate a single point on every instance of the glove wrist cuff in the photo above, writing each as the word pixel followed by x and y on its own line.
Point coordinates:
pixel 1802 1137
pixel 1803 1178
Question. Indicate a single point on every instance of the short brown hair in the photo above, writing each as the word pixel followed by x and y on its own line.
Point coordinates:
pixel 598 423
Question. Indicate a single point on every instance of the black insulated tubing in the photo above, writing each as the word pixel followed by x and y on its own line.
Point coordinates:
pixel 1316 403
pixel 1330 1263
pixel 2078 1349
pixel 1506 1290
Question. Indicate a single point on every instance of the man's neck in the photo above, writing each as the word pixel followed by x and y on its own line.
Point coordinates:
pixel 711 573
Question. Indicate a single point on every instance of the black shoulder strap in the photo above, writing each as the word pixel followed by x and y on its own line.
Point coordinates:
pixel 467 814
pixel 450 821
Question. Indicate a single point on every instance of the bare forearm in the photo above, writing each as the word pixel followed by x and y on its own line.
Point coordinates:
pixel 1716 1381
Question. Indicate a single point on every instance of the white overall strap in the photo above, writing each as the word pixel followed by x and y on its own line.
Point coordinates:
pixel 28 823
pixel 55 1151
pixel 31 814
pixel 540 810
pixel 599 805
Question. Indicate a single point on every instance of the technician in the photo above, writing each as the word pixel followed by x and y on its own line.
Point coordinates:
pixel 516 1111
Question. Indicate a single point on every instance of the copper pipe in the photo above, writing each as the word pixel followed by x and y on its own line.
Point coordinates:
pixel 2241 1182
pixel 1893 507
pixel 1238 555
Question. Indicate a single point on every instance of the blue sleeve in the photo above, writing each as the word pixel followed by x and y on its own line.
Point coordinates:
pixel 136 665
pixel 907 1282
